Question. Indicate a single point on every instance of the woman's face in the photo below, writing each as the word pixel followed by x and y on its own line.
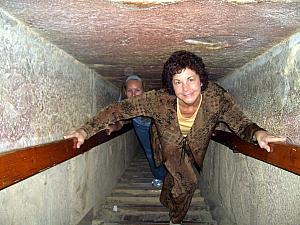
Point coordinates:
pixel 187 86
pixel 133 88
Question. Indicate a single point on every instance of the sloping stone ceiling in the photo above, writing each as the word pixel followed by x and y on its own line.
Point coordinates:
pixel 119 37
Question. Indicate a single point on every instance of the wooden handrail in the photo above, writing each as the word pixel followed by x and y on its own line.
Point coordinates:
pixel 19 164
pixel 284 156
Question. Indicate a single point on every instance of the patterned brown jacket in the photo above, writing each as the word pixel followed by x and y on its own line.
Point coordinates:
pixel 217 106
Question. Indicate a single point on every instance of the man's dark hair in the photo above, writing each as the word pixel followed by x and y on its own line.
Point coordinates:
pixel 179 61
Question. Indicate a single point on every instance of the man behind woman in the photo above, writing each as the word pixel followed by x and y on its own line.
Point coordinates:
pixel 134 86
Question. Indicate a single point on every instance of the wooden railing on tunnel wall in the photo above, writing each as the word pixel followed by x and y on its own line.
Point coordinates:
pixel 284 156
pixel 20 164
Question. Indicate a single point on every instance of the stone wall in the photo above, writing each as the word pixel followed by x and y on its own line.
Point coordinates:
pixel 240 189
pixel 44 93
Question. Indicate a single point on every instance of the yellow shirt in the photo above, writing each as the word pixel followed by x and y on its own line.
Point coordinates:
pixel 185 124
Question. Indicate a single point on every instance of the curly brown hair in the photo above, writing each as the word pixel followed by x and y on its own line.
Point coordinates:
pixel 179 61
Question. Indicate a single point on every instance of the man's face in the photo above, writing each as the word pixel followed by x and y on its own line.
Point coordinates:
pixel 133 88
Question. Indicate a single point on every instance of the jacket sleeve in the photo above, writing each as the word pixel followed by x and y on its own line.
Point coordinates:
pixel 156 145
pixel 236 120
pixel 126 109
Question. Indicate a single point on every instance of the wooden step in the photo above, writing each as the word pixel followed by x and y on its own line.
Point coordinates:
pixel 137 191
pixel 149 190
pixel 150 215
pixel 143 199
pixel 136 179
pixel 134 201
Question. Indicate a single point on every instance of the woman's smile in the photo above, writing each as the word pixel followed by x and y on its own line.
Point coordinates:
pixel 187 86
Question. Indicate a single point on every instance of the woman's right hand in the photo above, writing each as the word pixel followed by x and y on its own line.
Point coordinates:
pixel 80 134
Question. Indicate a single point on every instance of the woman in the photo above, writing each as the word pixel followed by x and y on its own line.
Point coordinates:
pixel 185 118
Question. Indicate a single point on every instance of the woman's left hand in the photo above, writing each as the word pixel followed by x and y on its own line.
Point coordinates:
pixel 264 137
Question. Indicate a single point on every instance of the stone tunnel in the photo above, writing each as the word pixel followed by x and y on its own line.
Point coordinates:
pixel 45 92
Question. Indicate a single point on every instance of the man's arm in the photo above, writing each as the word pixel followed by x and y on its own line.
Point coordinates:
pixel 116 126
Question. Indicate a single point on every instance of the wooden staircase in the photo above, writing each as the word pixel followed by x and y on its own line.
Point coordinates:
pixel 135 202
